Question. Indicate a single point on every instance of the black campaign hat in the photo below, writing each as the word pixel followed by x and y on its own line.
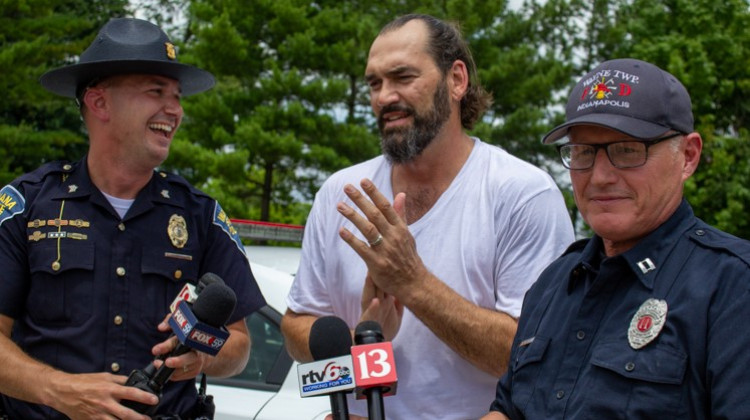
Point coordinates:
pixel 127 46
pixel 630 96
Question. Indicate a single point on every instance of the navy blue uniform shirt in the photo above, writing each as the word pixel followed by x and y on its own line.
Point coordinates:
pixel 572 356
pixel 87 289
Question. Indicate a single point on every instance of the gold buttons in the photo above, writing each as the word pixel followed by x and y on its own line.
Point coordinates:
pixel 56 265
pixel 115 367
pixel 178 274
pixel 118 320
pixel 120 271
pixel 121 226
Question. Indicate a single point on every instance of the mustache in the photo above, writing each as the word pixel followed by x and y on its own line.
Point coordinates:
pixel 395 108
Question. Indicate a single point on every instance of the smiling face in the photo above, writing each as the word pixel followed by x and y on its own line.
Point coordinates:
pixel 408 93
pixel 624 205
pixel 144 113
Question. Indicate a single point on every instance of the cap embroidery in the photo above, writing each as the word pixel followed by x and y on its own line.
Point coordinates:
pixel 602 85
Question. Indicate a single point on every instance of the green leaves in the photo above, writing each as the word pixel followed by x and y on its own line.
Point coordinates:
pixel 291 107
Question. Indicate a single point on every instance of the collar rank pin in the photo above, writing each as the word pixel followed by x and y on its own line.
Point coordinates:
pixel 647 323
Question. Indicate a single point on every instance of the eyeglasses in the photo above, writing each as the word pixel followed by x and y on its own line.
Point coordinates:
pixel 622 154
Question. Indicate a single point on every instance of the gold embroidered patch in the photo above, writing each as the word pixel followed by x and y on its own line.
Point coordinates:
pixel 37 236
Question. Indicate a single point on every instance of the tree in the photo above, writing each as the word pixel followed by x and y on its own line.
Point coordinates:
pixel 286 111
pixel 704 43
pixel 37 35
pixel 291 105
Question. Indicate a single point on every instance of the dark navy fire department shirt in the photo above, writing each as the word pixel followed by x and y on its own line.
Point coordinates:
pixel 572 356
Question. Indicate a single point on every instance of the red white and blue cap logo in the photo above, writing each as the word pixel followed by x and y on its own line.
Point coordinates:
pixel 631 96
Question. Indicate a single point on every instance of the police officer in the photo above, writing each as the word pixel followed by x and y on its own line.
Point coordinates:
pixel 647 319
pixel 93 252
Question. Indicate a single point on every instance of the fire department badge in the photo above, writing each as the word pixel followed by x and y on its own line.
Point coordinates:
pixel 177 231
pixel 647 323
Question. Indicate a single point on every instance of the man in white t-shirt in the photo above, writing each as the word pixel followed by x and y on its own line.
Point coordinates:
pixel 449 234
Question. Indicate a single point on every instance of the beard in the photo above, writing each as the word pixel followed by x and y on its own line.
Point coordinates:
pixel 404 144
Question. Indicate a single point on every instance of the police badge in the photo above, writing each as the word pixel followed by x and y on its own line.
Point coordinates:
pixel 647 322
pixel 177 231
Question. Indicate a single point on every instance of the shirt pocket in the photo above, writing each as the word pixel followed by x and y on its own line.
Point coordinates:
pixel 526 369
pixel 162 278
pixel 62 284
pixel 637 384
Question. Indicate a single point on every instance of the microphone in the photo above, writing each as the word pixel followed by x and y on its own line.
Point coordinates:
pixel 374 368
pixel 190 292
pixel 200 328
pixel 330 342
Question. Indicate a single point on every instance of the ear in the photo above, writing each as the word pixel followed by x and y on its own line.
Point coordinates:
pixel 458 79
pixel 96 101
pixel 692 154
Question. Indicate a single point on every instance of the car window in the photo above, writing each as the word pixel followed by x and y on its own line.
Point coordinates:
pixel 269 361
pixel 267 343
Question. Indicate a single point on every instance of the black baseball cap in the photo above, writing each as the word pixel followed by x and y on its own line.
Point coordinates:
pixel 127 46
pixel 630 96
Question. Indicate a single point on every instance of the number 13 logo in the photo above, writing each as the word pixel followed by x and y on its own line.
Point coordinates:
pixel 374 364
pixel 379 362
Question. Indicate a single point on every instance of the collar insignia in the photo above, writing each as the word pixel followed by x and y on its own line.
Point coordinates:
pixel 646 265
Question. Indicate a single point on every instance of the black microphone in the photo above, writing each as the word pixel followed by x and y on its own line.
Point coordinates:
pixel 330 337
pixel 213 308
pixel 374 388
pixel 189 293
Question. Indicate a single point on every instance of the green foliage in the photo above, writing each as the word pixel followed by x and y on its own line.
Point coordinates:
pixel 36 35
pixel 720 190
pixel 291 91
pixel 287 101
pixel 704 43
pixel 290 106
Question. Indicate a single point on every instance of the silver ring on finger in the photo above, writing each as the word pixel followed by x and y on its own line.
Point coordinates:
pixel 377 241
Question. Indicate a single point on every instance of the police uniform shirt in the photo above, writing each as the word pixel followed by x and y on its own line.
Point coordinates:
pixel 602 352
pixel 87 289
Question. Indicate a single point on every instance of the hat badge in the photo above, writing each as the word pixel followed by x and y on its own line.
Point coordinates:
pixel 647 323
pixel 171 52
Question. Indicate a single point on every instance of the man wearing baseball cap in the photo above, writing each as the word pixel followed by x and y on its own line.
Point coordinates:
pixel 647 319
pixel 94 251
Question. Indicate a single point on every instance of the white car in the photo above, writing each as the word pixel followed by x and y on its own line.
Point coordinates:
pixel 268 389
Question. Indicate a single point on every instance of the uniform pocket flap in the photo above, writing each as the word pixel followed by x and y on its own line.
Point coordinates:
pixel 653 363
pixel 54 260
pixel 531 350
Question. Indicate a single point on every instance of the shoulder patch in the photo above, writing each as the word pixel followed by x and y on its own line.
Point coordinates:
pixel 222 220
pixel 11 203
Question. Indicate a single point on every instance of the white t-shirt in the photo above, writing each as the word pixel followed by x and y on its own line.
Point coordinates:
pixel 488 237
